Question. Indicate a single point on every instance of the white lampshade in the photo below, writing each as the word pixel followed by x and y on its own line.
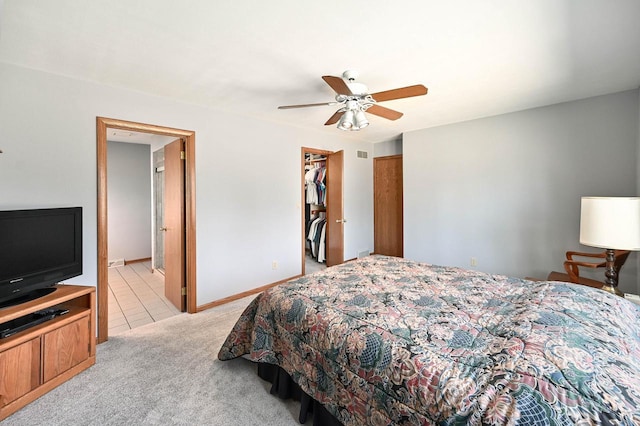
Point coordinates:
pixel 610 222
pixel 360 120
pixel 346 121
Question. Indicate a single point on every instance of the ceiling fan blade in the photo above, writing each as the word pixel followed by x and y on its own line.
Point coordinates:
pixel 384 112
pixel 334 118
pixel 404 92
pixel 306 105
pixel 337 84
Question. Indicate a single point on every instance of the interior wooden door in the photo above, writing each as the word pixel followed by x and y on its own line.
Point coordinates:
pixel 174 225
pixel 387 206
pixel 334 236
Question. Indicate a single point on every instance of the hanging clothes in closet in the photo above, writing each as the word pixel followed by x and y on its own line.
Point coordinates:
pixel 315 204
pixel 316 237
pixel 316 190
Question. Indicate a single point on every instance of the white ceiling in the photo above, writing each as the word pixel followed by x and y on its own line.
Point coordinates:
pixel 478 58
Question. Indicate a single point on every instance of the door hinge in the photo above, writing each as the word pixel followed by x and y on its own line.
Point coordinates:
pixel 184 291
pixel 182 155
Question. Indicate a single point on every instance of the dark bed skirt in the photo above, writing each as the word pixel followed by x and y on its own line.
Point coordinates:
pixel 285 388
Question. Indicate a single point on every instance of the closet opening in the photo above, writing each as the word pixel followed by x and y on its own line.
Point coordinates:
pixel 322 212
pixel 315 211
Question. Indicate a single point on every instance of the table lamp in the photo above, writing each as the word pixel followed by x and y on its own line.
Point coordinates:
pixel 611 223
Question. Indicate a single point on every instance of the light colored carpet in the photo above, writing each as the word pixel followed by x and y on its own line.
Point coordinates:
pixel 165 373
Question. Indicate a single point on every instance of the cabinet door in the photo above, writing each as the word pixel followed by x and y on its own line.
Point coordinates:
pixel 66 347
pixel 19 371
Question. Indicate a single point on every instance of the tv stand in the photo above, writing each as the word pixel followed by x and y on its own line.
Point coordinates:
pixel 37 359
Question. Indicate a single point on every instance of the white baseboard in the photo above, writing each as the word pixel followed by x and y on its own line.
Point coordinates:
pixel 633 298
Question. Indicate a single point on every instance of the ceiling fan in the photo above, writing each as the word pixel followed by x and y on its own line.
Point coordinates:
pixel 354 99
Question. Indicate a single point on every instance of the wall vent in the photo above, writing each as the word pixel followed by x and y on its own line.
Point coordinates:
pixel 363 154
pixel 116 263
pixel 363 253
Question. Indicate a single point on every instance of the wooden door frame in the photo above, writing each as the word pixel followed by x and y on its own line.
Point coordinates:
pixel 305 150
pixel 102 123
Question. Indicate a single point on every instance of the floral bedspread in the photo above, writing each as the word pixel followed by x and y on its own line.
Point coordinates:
pixel 383 340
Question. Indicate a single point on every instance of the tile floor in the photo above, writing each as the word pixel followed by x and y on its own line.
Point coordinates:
pixel 136 297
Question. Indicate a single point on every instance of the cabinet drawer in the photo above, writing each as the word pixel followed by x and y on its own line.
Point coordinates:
pixel 19 370
pixel 65 347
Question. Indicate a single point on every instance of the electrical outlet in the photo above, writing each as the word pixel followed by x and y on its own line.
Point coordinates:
pixel 474 261
pixel 274 264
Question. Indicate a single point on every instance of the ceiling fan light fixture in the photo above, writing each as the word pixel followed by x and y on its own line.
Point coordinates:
pixel 346 121
pixel 360 120
pixel 356 100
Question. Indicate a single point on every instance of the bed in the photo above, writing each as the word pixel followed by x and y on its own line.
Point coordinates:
pixel 383 340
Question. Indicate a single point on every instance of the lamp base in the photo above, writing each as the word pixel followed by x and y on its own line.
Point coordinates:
pixel 612 289
pixel 611 282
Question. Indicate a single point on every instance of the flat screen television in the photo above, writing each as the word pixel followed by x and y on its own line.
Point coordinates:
pixel 38 249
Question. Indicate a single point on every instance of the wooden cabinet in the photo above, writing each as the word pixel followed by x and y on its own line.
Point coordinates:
pixel 19 367
pixel 34 361
pixel 65 347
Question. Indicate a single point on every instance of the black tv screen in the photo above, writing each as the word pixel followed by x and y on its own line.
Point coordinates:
pixel 38 248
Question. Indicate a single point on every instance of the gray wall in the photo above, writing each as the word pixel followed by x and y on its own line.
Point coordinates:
pixel 129 200
pixel 391 147
pixel 506 189
pixel 48 134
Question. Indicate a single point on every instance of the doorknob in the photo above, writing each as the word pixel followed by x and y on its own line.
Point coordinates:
pixel 341 220
pixel 163 228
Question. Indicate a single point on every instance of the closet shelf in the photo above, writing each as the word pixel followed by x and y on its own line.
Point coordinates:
pixel 315 160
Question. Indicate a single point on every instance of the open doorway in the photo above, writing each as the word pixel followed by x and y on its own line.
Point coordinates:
pixel 184 233
pixel 322 213
pixel 137 291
